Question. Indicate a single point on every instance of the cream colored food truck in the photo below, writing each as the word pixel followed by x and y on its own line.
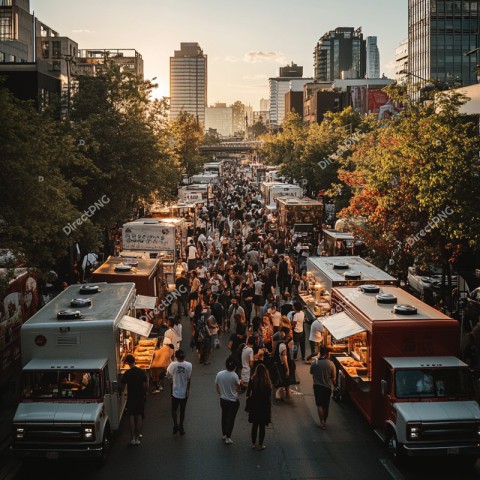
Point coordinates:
pixel 72 360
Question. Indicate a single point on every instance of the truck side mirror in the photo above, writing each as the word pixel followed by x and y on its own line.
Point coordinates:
pixel 115 386
pixel 384 387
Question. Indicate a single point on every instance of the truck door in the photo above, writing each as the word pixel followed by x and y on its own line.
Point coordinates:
pixel 386 398
pixel 113 400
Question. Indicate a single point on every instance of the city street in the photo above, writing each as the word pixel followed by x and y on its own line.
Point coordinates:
pixel 296 447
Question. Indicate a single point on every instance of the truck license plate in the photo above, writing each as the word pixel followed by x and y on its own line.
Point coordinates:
pixel 52 455
pixel 452 451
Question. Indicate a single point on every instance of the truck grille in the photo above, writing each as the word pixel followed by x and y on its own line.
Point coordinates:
pixel 448 431
pixel 43 433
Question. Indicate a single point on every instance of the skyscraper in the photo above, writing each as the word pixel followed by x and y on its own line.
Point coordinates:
pixel 439 33
pixel 340 53
pixel 373 58
pixel 188 82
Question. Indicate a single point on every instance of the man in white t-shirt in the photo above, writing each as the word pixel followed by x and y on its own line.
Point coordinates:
pixel 179 373
pixel 315 338
pixel 298 322
pixel 191 256
pixel 276 317
pixel 247 362
pixel 228 387
pixel 170 336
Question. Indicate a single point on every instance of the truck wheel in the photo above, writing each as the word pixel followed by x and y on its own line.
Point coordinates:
pixel 392 444
pixel 106 446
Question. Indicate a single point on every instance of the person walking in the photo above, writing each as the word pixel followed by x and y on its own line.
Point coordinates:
pixel 298 323
pixel 179 373
pixel 228 387
pixel 323 372
pixel 315 338
pixel 259 399
pixel 135 380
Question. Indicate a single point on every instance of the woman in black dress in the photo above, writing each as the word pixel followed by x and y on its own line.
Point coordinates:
pixel 259 393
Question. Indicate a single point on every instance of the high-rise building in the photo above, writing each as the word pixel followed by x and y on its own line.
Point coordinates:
pixel 279 86
pixel 264 104
pixel 188 82
pixel 439 33
pixel 340 53
pixel 373 58
pixel 401 61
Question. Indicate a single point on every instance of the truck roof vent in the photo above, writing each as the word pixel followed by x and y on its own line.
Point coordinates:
pixel 370 288
pixel 89 289
pixel 81 302
pixel 340 266
pixel 352 276
pixel 69 314
pixel 150 222
pixel 404 310
pixel 121 267
pixel 386 298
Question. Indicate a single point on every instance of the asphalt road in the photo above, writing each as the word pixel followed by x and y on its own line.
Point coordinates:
pixel 297 449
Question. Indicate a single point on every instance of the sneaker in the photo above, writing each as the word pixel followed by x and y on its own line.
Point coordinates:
pixel 133 442
pixel 157 390
pixel 175 429
pixel 253 446
pixel 262 447
pixel 228 441
pixel 140 436
pixel 181 430
pixel 224 438
pixel 137 441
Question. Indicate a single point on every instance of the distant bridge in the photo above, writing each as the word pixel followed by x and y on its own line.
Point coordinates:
pixel 232 147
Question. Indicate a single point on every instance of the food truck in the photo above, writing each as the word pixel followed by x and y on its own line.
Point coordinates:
pixel 397 361
pixel 195 193
pixel 166 236
pixel 146 274
pixel 302 216
pixel 271 190
pixel 325 273
pixel 73 352
pixel 204 178
pixel 338 243
pixel 186 210
pixel 212 168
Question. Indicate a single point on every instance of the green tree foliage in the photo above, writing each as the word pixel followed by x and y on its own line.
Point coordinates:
pixel 38 198
pixel 125 135
pixel 411 171
pixel 186 138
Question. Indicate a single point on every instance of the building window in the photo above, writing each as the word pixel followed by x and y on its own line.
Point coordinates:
pixel 56 49
pixel 5 3
pixel 46 49
pixel 6 27
pixel 56 66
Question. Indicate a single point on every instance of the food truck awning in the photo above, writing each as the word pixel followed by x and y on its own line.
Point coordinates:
pixel 140 327
pixel 143 301
pixel 341 325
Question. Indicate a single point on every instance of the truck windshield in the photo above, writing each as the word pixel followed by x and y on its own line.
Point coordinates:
pixel 431 383
pixel 61 384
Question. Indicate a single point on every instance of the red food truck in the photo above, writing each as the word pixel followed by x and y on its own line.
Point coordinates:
pixel 397 360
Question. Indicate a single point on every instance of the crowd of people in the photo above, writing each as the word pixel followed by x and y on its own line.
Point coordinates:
pixel 237 284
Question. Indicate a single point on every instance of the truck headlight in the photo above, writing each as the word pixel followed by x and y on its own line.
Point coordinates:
pixel 477 430
pixel 414 430
pixel 19 433
pixel 88 432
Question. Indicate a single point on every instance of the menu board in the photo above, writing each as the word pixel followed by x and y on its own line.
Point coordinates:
pixel 148 237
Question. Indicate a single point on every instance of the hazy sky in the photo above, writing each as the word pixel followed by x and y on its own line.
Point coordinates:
pixel 246 41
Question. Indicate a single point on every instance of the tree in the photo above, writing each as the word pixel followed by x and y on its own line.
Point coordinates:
pixel 258 129
pixel 38 201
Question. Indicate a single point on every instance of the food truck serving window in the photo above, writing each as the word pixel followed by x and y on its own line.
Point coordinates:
pixel 429 383
pixel 341 325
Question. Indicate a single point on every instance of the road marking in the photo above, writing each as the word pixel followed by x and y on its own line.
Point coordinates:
pixel 391 469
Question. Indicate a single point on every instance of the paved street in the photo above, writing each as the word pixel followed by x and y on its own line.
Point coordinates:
pixel 296 447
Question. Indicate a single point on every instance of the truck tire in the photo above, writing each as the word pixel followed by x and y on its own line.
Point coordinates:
pixel 106 446
pixel 392 444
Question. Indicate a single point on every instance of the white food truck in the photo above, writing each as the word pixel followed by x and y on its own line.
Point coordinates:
pixel 272 190
pixel 72 352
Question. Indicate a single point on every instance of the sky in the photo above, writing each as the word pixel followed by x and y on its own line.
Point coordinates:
pixel 246 41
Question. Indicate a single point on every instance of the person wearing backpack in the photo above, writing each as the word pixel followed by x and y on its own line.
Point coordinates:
pixel 282 361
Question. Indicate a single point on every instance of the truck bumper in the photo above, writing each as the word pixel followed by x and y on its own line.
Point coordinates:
pixel 55 452
pixel 425 450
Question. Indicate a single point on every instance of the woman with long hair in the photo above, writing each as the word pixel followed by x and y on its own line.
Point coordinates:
pixel 259 393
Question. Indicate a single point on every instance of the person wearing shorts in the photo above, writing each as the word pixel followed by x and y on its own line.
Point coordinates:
pixel 323 372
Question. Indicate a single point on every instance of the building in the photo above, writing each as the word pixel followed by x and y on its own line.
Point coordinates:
pixel 219 117
pixel 261 116
pixel 92 61
pixel 439 33
pixel 17 32
pixel 264 104
pixel 401 62
pixel 279 86
pixel 373 58
pixel 188 82
pixel 294 102
pixel 340 53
